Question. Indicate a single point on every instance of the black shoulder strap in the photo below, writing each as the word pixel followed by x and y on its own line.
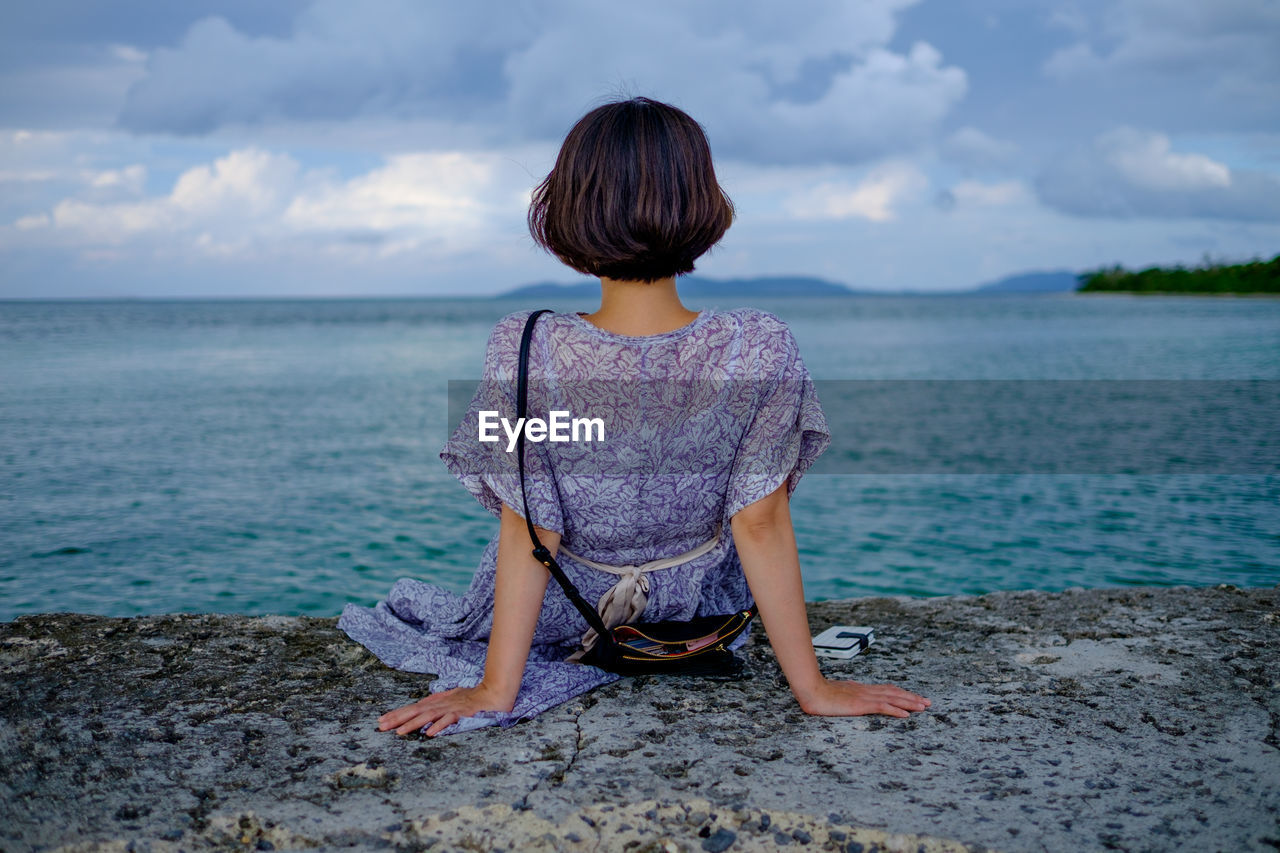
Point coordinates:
pixel 540 552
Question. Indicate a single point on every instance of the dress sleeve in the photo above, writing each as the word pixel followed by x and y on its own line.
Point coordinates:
pixel 787 434
pixel 486 468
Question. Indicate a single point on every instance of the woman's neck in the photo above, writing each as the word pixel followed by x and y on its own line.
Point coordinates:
pixel 640 308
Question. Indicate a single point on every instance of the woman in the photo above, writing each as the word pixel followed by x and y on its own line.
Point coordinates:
pixel 710 420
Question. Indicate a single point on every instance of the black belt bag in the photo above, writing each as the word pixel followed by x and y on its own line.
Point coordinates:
pixel 699 646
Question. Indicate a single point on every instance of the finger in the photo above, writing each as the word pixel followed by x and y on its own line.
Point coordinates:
pixel 895 692
pixel 391 719
pixel 418 722
pixel 893 710
pixel 442 724
pixel 403 709
pixel 422 717
pixel 906 698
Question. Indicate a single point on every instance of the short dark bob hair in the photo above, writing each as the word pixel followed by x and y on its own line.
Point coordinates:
pixel 633 195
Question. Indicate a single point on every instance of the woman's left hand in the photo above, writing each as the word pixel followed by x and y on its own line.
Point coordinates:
pixel 442 710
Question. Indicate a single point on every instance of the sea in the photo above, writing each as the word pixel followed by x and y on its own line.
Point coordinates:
pixel 281 456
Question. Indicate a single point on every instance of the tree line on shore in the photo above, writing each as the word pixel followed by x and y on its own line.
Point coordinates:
pixel 1256 276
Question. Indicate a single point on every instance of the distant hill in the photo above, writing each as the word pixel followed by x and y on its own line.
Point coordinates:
pixel 693 286
pixel 1057 281
pixel 697 287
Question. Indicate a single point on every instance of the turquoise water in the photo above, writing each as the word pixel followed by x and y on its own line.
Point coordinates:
pixel 281 456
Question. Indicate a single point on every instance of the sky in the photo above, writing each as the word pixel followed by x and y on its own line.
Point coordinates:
pixel 388 147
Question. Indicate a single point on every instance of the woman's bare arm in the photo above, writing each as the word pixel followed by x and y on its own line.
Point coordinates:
pixel 519 587
pixel 766 545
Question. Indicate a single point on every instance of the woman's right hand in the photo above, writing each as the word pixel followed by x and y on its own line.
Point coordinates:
pixel 443 709
pixel 851 699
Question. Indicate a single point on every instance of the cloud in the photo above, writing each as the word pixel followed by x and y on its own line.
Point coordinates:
pixel 977 193
pixel 28 176
pixel 814 80
pixel 232 191
pixel 253 199
pixel 1221 55
pixel 1127 172
pixel 106 182
pixel 1069 17
pixel 86 91
pixel 36 220
pixel 442 199
pixel 1147 161
pixel 888 103
pixel 343 61
pixel 130 178
pixel 974 149
pixel 33 157
pixel 874 198
pixel 249 182
pixel 1170 34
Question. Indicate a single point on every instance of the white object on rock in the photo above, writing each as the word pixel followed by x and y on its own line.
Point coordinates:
pixel 843 641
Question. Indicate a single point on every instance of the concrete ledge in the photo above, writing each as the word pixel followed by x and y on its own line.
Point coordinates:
pixel 1130 718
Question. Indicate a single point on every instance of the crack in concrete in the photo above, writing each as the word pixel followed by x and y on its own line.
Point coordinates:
pixel 578 742
pixel 557 776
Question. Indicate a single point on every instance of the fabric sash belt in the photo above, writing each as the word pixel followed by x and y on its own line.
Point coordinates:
pixel 625 600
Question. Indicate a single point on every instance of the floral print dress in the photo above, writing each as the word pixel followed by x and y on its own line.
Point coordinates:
pixel 698 422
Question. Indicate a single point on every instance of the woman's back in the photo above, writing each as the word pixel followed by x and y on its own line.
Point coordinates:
pixel 697 422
